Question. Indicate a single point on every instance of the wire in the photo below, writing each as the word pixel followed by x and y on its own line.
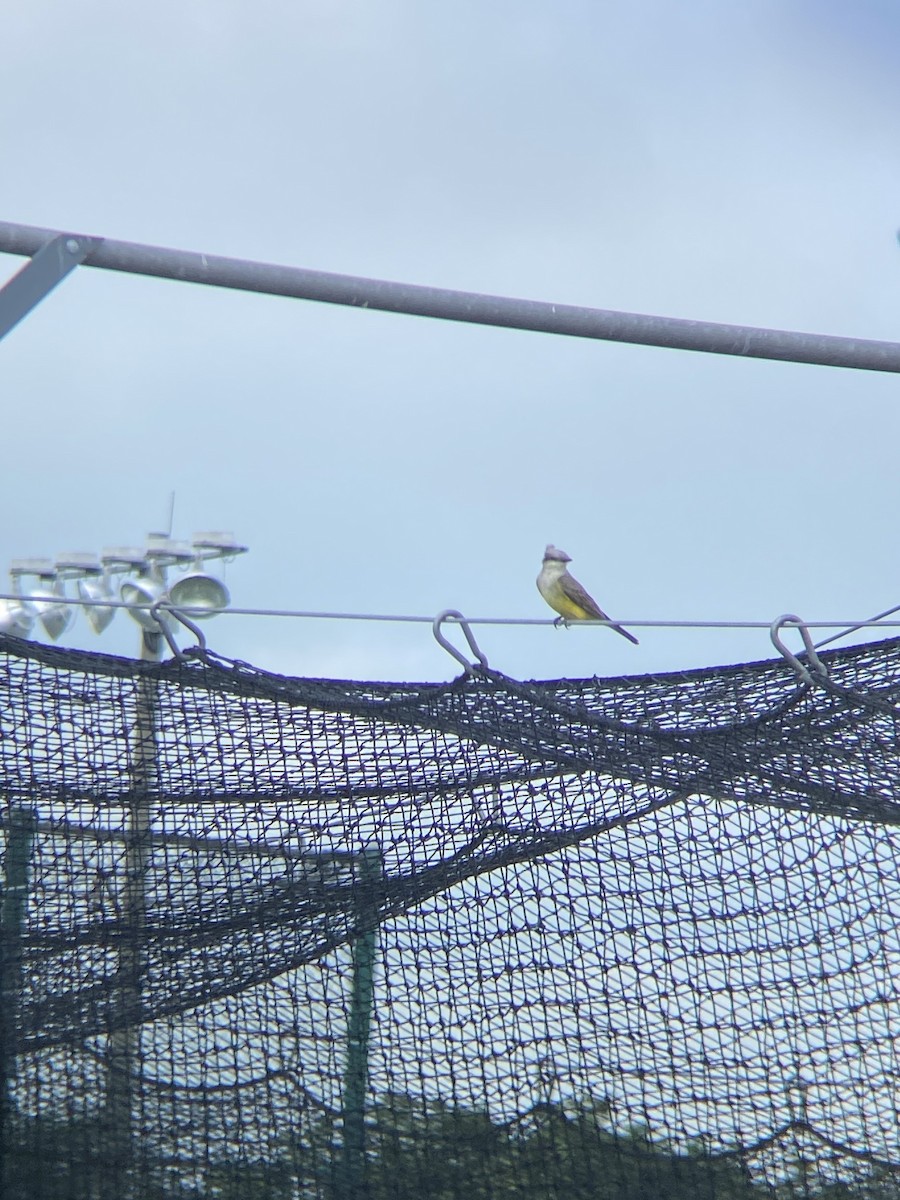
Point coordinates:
pixel 876 620
pixel 845 627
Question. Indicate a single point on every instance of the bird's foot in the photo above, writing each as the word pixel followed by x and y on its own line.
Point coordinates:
pixel 561 622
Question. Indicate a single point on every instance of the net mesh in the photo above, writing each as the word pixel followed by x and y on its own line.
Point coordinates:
pixel 272 937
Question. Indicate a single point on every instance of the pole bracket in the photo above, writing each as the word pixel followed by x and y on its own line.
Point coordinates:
pixel 49 266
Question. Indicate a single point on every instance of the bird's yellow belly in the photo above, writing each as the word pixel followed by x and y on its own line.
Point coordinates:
pixel 569 609
pixel 558 600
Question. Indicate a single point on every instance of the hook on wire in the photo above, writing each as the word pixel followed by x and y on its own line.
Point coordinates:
pixel 801 668
pixel 470 668
pixel 195 629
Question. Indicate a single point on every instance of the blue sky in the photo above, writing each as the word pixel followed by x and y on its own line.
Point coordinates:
pixel 729 163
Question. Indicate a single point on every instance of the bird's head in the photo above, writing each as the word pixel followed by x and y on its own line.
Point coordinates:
pixel 554 554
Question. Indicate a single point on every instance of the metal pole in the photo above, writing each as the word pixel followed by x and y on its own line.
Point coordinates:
pixel 124 1042
pixel 672 332
pixel 19 837
pixel 359 1024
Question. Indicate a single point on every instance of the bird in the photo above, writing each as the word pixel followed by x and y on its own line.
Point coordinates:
pixel 565 594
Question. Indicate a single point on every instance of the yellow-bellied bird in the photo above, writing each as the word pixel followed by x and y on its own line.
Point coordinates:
pixel 565 594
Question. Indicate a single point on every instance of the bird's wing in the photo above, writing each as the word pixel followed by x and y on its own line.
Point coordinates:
pixel 573 591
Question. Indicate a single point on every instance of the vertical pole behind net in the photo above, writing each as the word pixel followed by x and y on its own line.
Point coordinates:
pixel 20 835
pixel 123 1067
pixel 359 1024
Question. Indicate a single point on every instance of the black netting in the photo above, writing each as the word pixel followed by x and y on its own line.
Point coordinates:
pixel 269 937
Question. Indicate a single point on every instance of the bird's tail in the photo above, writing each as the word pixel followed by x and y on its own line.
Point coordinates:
pixel 625 634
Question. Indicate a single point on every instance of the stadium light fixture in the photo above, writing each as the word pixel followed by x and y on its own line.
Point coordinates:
pixel 150 584
pixel 202 594
pixel 142 573
pixel 16 616
pixel 93 583
pixel 44 600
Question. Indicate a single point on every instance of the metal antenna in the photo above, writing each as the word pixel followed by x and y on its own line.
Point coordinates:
pixel 171 514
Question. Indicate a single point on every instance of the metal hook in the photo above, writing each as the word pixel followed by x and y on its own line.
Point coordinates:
pixel 802 670
pixel 470 668
pixel 167 632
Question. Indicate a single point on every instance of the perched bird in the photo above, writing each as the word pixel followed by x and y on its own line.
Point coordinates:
pixel 565 594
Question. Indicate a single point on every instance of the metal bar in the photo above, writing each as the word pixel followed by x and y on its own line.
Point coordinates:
pixel 364 949
pixel 123 1046
pixel 472 307
pixel 20 833
pixel 51 263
